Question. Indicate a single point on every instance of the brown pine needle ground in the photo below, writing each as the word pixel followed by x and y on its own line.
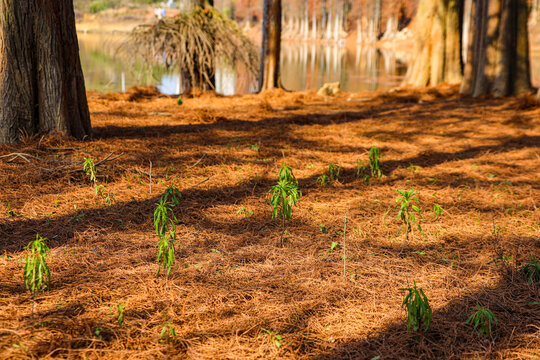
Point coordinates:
pixel 479 159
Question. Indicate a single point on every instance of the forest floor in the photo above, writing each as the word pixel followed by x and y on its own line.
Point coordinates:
pixel 236 291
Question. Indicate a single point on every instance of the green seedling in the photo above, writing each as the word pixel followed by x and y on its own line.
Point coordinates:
pixel 286 173
pixel 360 168
pixel 407 210
pixel 374 162
pixel 285 195
pixel 255 147
pixel 323 228
pixel 333 247
pixel 89 168
pixel 275 337
pixel 99 189
pixel 418 310
pixel 333 172
pixel 179 101
pixel 323 180
pixel 168 332
pixel 120 317
pixel 483 320
pixel 36 273
pixel 109 198
pixel 531 270
pixel 245 211
pixel 437 211
pixel 171 195
pixel 165 224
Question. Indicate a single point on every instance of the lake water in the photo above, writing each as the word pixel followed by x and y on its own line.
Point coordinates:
pixel 303 66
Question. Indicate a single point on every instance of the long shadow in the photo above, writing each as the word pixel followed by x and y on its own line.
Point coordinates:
pixel 137 212
pixel 449 336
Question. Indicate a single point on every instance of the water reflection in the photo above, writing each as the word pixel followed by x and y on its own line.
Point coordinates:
pixel 304 66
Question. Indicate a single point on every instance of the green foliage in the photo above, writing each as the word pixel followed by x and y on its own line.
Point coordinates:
pixel 286 173
pixel 374 162
pixel 531 270
pixel 173 194
pixel 285 194
pixel 89 168
pixel 100 5
pixel 36 273
pixel 333 247
pixel 418 310
pixel 165 224
pixel 120 316
pixel 109 198
pixel 179 101
pixel 407 210
pixel 437 211
pixel 323 228
pixel 360 168
pixel 323 180
pixel 275 337
pixel 333 172
pixel 483 320
pixel 167 333
pixel 245 211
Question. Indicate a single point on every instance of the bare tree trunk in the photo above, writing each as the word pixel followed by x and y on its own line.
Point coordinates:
pixel 438 44
pixel 314 22
pixel 359 27
pixel 498 55
pixel 269 75
pixel 41 82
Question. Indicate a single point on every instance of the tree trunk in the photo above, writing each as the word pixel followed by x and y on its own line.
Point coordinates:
pixel 41 81
pixel 314 22
pixel 498 54
pixel 438 44
pixel 269 75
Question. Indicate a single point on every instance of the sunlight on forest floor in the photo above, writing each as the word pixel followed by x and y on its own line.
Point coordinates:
pixel 479 159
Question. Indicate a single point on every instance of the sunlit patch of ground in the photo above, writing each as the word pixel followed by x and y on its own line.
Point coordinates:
pixel 478 159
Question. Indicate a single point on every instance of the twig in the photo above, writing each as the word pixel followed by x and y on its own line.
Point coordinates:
pixel 107 159
pixel 197 163
pixel 15 155
pixel 344 246
pixel 202 182
pixel 150 177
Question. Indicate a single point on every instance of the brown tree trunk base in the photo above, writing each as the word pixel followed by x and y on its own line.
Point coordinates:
pixel 498 55
pixel 41 82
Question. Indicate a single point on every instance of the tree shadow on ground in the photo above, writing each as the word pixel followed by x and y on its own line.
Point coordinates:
pixel 511 299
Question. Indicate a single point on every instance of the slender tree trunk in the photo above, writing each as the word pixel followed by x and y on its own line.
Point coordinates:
pixel 359 28
pixel 269 75
pixel 438 44
pixel 498 54
pixel 314 22
pixel 41 81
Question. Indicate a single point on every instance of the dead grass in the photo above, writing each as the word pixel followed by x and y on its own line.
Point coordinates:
pixel 479 159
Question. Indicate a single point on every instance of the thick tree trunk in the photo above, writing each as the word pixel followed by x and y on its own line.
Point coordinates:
pixel 41 81
pixel 498 54
pixel 438 44
pixel 269 74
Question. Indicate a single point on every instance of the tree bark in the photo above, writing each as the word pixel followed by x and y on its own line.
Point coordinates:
pixel 438 44
pixel 41 82
pixel 498 54
pixel 269 74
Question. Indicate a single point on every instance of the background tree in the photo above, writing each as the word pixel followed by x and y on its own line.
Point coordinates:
pixel 41 82
pixel 269 74
pixel 438 44
pixel 498 55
